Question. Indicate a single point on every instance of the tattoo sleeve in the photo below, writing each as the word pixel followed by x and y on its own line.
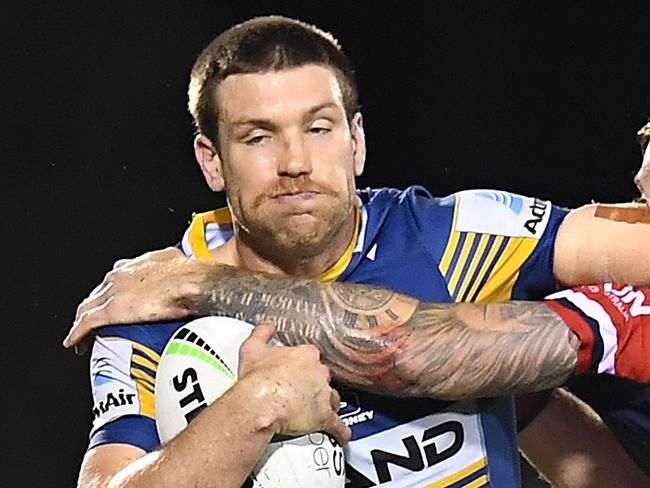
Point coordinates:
pixel 389 343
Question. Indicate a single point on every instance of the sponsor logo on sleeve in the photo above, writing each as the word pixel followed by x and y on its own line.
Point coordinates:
pixel 501 213
pixel 120 398
pixel 114 391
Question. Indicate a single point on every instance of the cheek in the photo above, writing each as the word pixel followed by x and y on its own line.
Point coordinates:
pixel 336 164
pixel 248 174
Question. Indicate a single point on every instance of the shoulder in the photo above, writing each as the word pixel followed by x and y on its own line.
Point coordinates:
pixel 414 202
pixel 481 211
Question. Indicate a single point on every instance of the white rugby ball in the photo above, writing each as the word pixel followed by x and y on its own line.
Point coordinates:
pixel 198 365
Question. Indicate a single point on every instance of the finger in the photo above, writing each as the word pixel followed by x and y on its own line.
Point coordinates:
pixel 97 297
pixel 83 346
pixel 336 428
pixel 89 320
pixel 162 254
pixel 121 263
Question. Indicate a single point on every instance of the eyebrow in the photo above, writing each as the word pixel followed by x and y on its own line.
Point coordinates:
pixel 320 107
pixel 267 124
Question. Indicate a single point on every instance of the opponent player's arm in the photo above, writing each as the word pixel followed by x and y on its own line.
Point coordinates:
pixel 598 243
pixel 280 391
pixel 572 447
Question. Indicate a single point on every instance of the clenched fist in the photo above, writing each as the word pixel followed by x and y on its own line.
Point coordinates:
pixel 294 384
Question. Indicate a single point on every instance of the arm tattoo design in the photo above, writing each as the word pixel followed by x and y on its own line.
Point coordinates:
pixel 389 343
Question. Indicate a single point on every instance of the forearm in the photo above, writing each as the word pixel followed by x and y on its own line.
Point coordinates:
pixel 219 448
pixel 389 343
pixel 569 444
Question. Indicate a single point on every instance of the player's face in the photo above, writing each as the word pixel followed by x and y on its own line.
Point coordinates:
pixel 288 157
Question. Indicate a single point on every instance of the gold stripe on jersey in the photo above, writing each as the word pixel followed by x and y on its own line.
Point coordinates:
pixel 503 277
pixel 460 264
pixel 144 385
pixel 148 382
pixel 460 475
pixel 467 281
pixel 492 256
pixel 144 357
pixel 452 243
pixel 222 216
pixel 480 481
pixel 142 361
pixel 197 230
pixel 153 355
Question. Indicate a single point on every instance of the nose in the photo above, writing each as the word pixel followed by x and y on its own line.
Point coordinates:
pixel 295 159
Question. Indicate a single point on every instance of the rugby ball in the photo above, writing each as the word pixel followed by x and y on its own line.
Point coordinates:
pixel 197 366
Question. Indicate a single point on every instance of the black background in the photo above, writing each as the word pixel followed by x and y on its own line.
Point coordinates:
pixel 540 98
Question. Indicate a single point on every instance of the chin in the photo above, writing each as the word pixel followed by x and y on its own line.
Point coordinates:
pixel 302 242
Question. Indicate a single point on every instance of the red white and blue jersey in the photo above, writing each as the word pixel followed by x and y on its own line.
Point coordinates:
pixel 480 245
pixel 613 323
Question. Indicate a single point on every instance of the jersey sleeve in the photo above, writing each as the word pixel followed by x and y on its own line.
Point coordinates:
pixel 123 366
pixel 613 324
pixel 498 246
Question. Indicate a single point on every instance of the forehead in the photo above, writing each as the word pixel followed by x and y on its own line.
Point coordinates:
pixel 277 93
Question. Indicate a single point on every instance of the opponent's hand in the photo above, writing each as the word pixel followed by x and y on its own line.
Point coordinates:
pixel 642 178
pixel 295 385
pixel 144 289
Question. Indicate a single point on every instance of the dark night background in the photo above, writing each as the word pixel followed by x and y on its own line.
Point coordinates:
pixel 539 98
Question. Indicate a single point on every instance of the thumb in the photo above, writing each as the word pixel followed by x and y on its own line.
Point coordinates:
pixel 253 346
pixel 258 339
pixel 262 333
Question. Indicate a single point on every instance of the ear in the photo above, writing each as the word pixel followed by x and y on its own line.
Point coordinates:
pixel 358 143
pixel 209 161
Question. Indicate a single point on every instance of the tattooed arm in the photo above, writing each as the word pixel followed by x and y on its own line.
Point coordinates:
pixel 385 342
pixel 370 338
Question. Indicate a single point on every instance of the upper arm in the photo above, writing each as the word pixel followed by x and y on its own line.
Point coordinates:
pixel 571 446
pixel 123 367
pixel 100 464
pixel 597 243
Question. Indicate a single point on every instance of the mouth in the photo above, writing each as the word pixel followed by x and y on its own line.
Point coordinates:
pixel 296 197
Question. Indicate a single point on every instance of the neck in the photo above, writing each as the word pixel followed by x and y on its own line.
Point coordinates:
pixel 236 252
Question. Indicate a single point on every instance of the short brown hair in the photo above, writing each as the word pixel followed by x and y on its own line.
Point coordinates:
pixel 258 45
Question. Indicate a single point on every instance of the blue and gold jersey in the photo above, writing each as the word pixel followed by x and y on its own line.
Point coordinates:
pixel 471 246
